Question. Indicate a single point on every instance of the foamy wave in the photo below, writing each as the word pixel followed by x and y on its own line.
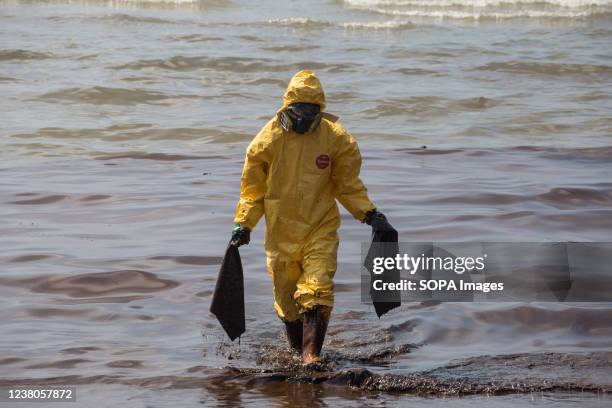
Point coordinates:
pixel 298 22
pixel 379 25
pixel 450 14
pixel 302 22
pixel 478 3
pixel 483 9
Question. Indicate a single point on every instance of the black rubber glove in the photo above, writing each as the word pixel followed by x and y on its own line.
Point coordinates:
pixel 374 216
pixel 379 223
pixel 241 235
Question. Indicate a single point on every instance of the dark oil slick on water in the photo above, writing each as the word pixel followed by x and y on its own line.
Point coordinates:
pixel 124 125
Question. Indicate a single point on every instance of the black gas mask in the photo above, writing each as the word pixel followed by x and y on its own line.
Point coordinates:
pixel 301 117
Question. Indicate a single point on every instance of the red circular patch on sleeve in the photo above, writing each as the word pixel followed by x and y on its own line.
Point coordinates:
pixel 323 161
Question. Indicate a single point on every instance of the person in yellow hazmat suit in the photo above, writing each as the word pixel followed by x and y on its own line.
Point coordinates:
pixel 297 166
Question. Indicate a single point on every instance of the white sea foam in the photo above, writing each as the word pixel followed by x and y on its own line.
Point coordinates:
pixel 302 22
pixel 483 9
pixel 478 3
pixel 299 22
pixel 376 25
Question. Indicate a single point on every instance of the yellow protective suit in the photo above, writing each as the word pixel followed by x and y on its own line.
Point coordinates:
pixel 295 179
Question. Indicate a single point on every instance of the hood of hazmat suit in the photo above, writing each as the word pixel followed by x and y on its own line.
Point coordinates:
pixel 294 180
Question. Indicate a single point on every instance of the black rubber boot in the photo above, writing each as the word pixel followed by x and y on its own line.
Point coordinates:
pixel 295 333
pixel 315 326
